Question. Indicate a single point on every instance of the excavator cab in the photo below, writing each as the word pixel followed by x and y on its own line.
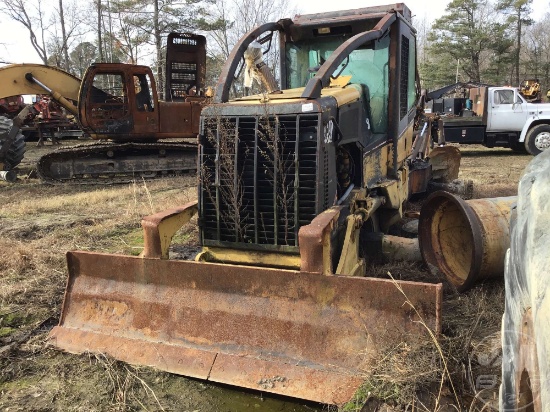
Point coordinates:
pixel 121 101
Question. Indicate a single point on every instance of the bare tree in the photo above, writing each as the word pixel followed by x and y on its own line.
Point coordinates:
pixel 64 47
pixel 231 19
pixel 99 31
pixel 31 15
pixel 67 28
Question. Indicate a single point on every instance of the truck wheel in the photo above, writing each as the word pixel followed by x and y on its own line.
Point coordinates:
pixel 538 139
pixel 526 321
pixel 16 151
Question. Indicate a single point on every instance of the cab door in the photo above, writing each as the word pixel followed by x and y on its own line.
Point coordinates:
pixel 144 103
pixel 104 105
pixel 508 110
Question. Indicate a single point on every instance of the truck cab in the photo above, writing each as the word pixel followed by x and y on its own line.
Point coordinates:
pixel 507 110
pixel 500 117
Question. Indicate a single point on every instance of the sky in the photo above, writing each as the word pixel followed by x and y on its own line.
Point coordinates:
pixel 16 47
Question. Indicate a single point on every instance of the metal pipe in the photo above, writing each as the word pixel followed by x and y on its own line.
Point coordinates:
pixel 8 175
pixel 381 248
pixel 55 95
pixel 400 249
pixel 465 240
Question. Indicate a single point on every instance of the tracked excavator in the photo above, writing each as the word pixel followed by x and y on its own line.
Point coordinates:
pixel 298 186
pixel 119 103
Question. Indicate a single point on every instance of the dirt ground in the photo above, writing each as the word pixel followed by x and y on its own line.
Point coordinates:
pixel 39 223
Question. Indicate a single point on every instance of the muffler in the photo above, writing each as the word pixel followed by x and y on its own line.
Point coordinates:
pixel 466 240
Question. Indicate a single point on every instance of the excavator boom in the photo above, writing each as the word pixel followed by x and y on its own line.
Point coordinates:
pixel 15 81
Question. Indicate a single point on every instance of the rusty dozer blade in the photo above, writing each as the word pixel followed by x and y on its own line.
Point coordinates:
pixel 299 334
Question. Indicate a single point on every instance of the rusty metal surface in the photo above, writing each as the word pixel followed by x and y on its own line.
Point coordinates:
pixel 315 253
pixel 419 177
pixel 445 163
pixel 185 65
pixel 158 229
pixel 293 333
pixel 465 240
pixel 347 16
pixel 180 119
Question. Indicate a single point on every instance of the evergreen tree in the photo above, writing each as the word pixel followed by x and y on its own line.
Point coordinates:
pixel 518 15
pixel 460 35
pixel 499 56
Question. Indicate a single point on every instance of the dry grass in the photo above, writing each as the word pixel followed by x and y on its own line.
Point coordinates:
pixel 495 172
pixel 446 373
pixel 38 224
pixel 466 356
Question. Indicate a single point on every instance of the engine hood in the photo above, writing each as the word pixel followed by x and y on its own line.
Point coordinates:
pixel 343 95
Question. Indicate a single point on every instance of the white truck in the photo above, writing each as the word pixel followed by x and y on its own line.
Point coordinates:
pixel 500 117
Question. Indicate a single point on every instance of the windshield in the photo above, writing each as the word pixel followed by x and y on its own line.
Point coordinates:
pixel 367 65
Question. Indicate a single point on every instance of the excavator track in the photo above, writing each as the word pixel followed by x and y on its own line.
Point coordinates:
pixel 112 163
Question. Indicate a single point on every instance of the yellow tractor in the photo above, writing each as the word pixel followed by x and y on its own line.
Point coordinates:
pixel 298 186
pixel 530 90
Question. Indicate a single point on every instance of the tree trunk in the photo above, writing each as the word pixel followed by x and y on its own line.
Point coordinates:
pixel 158 46
pixel 518 47
pixel 110 32
pixel 64 47
pixel 99 31
pixel 40 49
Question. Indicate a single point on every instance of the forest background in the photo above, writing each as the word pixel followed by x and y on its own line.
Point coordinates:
pixel 501 42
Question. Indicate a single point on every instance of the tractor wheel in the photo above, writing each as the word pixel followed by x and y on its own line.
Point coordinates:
pixel 16 151
pixel 538 139
pixel 526 321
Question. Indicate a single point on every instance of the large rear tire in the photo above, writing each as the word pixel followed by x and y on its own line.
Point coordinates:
pixel 526 321
pixel 538 139
pixel 16 152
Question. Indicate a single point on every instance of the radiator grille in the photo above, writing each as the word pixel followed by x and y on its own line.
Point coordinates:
pixel 258 178
pixel 183 76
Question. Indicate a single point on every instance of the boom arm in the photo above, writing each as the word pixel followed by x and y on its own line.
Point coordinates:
pixel 38 79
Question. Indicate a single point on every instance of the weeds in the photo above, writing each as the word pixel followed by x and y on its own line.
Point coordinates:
pixel 459 369
pixel 248 176
pixel 125 385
